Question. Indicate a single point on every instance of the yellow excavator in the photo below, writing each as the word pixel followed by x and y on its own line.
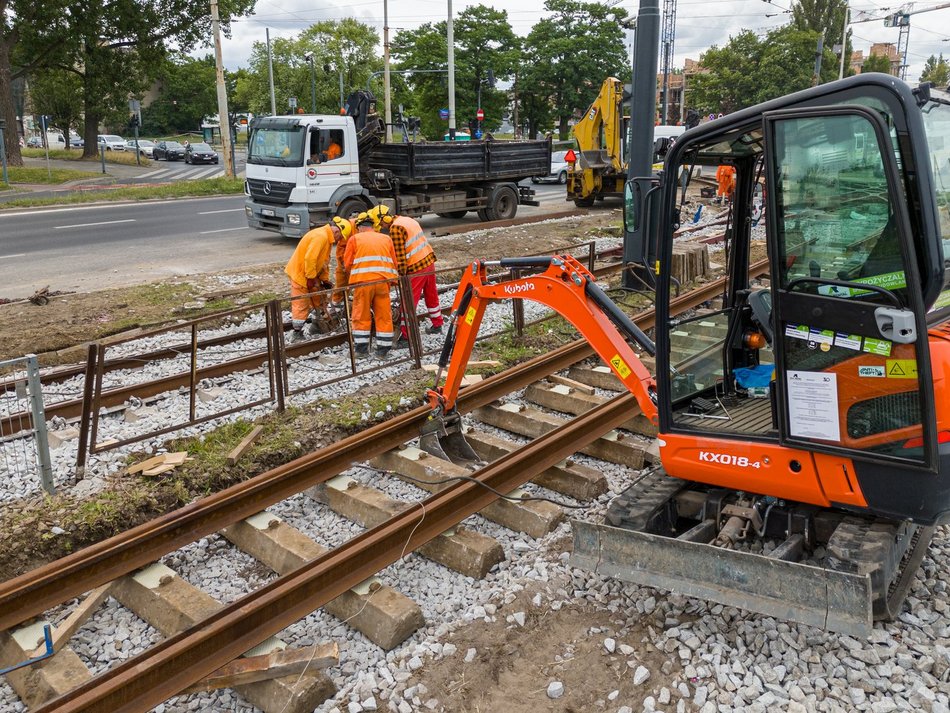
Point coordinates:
pixel 598 169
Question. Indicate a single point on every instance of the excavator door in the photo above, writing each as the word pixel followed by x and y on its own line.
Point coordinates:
pixel 852 363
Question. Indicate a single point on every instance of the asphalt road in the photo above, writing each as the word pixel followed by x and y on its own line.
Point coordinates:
pixel 82 248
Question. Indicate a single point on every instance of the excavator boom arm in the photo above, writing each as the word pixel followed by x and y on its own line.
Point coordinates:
pixel 568 288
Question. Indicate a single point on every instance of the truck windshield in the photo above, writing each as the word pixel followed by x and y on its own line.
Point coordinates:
pixel 937 123
pixel 276 146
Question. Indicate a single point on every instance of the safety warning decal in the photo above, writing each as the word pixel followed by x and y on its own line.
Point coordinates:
pixel 875 371
pixel 620 365
pixel 470 316
pixel 901 369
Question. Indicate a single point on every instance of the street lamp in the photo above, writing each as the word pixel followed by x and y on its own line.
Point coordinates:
pixel 313 81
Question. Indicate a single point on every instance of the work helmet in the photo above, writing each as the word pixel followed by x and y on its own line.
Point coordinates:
pixel 345 226
pixel 380 215
pixel 364 219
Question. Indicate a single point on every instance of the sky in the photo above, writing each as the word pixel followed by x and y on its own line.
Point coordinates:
pixel 699 23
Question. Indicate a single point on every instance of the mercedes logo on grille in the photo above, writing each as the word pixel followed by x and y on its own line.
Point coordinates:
pixel 266 188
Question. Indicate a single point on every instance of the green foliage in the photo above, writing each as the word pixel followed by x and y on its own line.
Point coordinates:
pixel 936 70
pixel 31 174
pixel 824 16
pixel 484 41
pixel 345 45
pixel 186 95
pixel 178 189
pixel 58 93
pixel 876 63
pixel 126 158
pixel 566 58
pixel 749 70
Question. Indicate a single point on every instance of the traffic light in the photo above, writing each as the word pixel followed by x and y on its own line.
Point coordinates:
pixel 134 120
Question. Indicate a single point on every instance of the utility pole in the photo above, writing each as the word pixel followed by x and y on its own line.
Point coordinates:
pixel 223 121
pixel 819 50
pixel 387 97
pixel 844 38
pixel 270 74
pixel 514 121
pixel 450 41
pixel 669 36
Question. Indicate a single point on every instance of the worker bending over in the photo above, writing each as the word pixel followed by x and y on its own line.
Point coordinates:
pixel 414 257
pixel 369 258
pixel 726 177
pixel 308 270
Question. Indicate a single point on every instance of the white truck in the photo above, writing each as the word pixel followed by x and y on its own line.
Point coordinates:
pixel 297 179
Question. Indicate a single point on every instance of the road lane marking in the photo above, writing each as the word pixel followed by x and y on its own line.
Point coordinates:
pixel 226 210
pixel 100 206
pixel 151 174
pixel 90 225
pixel 222 230
pixel 7 257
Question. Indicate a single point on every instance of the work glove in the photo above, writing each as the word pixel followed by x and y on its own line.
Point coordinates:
pixel 326 284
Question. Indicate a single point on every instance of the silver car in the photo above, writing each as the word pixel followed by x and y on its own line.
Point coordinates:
pixel 558 172
pixel 112 142
pixel 145 147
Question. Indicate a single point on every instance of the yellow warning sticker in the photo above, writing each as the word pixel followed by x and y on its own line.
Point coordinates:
pixel 620 365
pixel 470 316
pixel 901 368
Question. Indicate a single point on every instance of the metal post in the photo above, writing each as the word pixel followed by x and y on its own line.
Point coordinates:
pixel 387 98
pixel 341 91
pixel 275 317
pixel 844 38
pixel 450 41
pixel 138 155
pixel 313 82
pixel 3 151
pixel 102 156
pixel 642 118
pixel 85 419
pixel 39 423
pixel 223 122
pixel 517 306
pixel 270 73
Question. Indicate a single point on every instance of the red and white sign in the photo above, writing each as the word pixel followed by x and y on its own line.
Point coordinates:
pixel 480 114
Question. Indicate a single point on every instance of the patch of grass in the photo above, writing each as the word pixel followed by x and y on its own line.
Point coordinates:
pixel 31 174
pixel 126 158
pixel 179 189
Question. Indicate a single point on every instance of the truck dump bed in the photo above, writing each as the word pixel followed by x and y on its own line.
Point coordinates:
pixel 431 162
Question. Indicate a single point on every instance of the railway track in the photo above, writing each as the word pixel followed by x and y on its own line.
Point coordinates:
pixel 394 529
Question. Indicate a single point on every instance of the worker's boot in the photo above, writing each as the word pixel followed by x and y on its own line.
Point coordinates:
pixel 296 336
pixel 382 353
pixel 432 329
pixel 402 342
pixel 361 349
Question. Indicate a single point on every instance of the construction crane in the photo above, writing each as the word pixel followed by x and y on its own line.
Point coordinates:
pixel 901 20
pixel 667 37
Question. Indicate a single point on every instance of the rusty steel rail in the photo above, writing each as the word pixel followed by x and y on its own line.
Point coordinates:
pixel 34 592
pixel 457 229
pixel 153 676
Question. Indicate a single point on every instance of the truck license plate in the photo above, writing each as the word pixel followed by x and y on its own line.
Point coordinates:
pixel 268 212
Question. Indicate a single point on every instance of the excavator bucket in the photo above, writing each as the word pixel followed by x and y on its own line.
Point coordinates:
pixel 835 601
pixel 442 437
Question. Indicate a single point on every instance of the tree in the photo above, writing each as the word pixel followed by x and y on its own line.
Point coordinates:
pixel 484 42
pixel 876 63
pixel 749 70
pixel 59 95
pixel 826 17
pixel 346 46
pixel 186 95
pixel 568 55
pixel 936 71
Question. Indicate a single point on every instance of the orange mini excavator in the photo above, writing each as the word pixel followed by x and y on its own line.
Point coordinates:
pixel 804 428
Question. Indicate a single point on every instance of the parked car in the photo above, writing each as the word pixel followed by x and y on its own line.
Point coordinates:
pixel 168 150
pixel 34 142
pixel 76 142
pixel 146 147
pixel 558 169
pixel 200 153
pixel 111 142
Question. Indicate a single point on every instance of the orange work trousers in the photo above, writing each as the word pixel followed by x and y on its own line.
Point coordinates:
pixel 369 303
pixel 300 308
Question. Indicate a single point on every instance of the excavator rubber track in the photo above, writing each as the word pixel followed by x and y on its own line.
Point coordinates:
pixel 862 573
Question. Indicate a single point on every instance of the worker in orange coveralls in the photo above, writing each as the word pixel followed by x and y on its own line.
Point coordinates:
pixel 726 177
pixel 369 258
pixel 414 257
pixel 308 270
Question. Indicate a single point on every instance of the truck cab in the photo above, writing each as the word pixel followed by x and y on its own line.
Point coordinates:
pixel 293 171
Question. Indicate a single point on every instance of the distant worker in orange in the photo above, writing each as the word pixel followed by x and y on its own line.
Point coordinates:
pixel 414 257
pixel 308 270
pixel 726 177
pixel 370 257
pixel 332 151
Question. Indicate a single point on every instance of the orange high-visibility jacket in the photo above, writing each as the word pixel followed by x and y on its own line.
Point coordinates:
pixel 370 256
pixel 311 259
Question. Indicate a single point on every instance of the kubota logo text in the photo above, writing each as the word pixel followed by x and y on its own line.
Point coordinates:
pixel 520 287
pixel 728 459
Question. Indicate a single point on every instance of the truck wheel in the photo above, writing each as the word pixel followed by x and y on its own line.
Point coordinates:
pixel 351 207
pixel 584 202
pixel 503 204
pixel 453 214
pixel 483 215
